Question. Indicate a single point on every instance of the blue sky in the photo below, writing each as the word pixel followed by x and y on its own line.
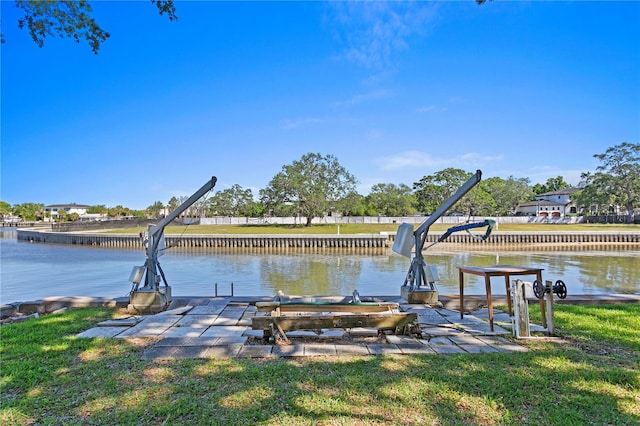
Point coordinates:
pixel 396 91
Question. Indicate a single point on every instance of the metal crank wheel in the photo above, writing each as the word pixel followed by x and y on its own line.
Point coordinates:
pixel 560 289
pixel 538 289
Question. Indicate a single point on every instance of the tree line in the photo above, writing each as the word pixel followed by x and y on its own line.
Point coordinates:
pixel 318 185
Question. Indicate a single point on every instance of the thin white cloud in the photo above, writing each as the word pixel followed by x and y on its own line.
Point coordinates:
pixel 289 124
pixel 419 159
pixel 359 98
pixel 370 33
pixel 430 108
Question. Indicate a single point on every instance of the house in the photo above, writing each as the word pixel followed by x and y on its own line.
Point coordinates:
pixel 554 204
pixel 54 211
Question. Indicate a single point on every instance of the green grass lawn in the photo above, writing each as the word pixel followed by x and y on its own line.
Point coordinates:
pixel 589 375
pixel 367 228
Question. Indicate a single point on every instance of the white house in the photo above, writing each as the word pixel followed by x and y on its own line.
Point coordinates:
pixel 550 204
pixel 54 211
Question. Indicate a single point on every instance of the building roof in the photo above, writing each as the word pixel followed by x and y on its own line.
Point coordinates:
pixel 63 206
pixel 565 191
pixel 540 203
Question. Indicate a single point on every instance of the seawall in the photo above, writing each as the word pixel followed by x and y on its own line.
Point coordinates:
pixel 323 240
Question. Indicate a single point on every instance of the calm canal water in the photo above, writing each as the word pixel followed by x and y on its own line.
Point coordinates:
pixel 31 271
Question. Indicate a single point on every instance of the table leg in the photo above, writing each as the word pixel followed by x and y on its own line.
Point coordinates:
pixel 509 304
pixel 461 279
pixel 487 283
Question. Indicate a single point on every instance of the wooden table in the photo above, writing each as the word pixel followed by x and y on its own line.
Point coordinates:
pixel 487 272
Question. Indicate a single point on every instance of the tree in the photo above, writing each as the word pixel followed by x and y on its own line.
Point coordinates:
pixel 71 18
pixel 29 211
pixel 553 184
pixel 313 185
pixel 173 204
pixel 508 194
pixel 433 190
pixel 155 209
pixel 234 201
pixel 354 204
pixel 5 209
pixel 97 209
pixel 392 200
pixel 617 179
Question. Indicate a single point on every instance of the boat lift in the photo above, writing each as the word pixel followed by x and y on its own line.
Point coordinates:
pixel 152 297
pixel 420 283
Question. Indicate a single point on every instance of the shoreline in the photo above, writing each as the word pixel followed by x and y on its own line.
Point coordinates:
pixel 49 305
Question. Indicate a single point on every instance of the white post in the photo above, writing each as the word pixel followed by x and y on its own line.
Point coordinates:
pixel 549 300
pixel 520 309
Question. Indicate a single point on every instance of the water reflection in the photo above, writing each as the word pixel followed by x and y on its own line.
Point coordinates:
pixel 30 271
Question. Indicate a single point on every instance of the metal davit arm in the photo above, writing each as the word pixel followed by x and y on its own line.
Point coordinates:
pixel 417 277
pixel 423 229
pixel 156 232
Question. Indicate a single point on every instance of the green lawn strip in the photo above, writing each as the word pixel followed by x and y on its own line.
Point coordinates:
pixel 50 377
pixel 352 228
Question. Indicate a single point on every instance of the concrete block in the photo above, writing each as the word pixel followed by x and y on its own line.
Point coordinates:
pixel 231 340
pixel 159 353
pixel 7 310
pixel 107 332
pixel 351 349
pixel 256 351
pixel 416 349
pixel 189 352
pixel 221 331
pixel 479 348
pixel 447 349
pixel 319 349
pixel 363 332
pixel 222 352
pixel 379 349
pixel 288 350
pixel 28 308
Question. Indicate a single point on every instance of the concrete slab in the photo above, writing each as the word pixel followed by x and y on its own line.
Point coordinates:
pixel 402 340
pixel 256 351
pixel 202 321
pixel 380 349
pixel 159 353
pixel 177 311
pixel 183 331
pixel 302 334
pixel 256 334
pixel 207 310
pixel 189 352
pixel 217 352
pixel 476 349
pixel 440 341
pixel 363 332
pixel 311 349
pixel 186 341
pixel 334 333
pixel 226 321
pixel 107 332
pixel 288 350
pixel 447 349
pixel 351 349
pixel 224 330
pixel 431 317
pixel 121 322
pixel 416 349
pixel 441 331
pixel 466 339
pixel 231 340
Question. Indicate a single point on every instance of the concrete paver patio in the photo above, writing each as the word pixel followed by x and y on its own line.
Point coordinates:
pixel 221 328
